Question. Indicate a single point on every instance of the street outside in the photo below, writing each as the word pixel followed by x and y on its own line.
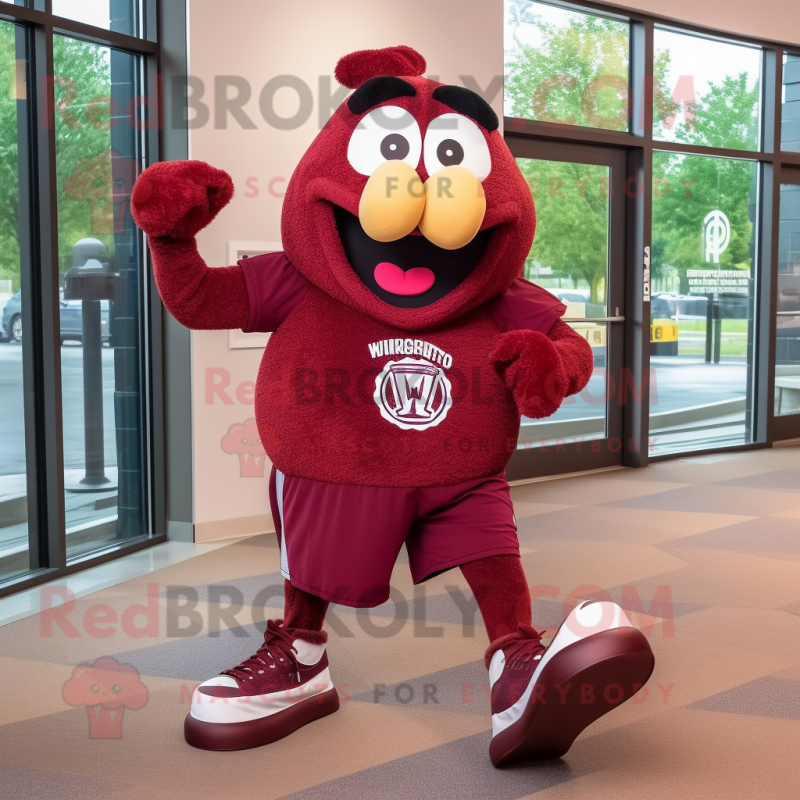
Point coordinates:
pixel 12 434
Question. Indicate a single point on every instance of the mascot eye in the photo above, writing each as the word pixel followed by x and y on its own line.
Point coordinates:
pixel 395 147
pixel 116 688
pixel 452 139
pixel 387 133
pixel 94 688
pixel 450 152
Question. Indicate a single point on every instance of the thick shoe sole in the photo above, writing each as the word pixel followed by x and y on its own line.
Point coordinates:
pixel 578 685
pixel 258 732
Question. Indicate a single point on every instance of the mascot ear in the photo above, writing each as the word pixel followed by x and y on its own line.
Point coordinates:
pixel 356 68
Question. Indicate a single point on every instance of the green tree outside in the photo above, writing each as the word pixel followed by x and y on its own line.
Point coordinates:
pixel 9 174
pixel 688 187
pixel 577 74
pixel 572 221
pixel 83 140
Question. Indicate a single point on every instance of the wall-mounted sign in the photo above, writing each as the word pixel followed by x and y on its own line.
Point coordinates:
pixel 716 235
pixel 646 279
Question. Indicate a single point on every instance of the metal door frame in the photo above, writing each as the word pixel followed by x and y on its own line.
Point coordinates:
pixel 596 453
pixel 785 427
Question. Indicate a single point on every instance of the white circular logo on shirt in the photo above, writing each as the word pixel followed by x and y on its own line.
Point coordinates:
pixel 413 393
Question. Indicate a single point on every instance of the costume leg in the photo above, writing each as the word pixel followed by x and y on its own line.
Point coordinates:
pixel 500 587
pixel 542 698
pixel 304 614
pixel 284 685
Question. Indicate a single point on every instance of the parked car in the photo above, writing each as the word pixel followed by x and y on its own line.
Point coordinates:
pixel 71 320
pixel 570 296
pixel 668 305
pixel 12 319
pixel 573 296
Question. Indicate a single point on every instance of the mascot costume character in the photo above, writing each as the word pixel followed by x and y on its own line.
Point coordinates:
pixel 406 342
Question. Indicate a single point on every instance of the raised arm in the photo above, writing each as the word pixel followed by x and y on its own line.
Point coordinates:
pixel 171 201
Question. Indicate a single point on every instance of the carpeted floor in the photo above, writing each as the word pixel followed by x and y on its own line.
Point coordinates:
pixel 704 552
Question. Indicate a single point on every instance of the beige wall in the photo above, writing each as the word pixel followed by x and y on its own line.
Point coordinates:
pixel 778 20
pixel 259 40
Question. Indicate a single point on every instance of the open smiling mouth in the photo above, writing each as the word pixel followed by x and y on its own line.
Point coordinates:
pixel 410 272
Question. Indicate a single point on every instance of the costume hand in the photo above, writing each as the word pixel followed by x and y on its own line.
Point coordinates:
pixel 532 369
pixel 179 198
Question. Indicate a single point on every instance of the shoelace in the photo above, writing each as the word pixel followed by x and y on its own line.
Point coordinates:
pixel 527 646
pixel 277 642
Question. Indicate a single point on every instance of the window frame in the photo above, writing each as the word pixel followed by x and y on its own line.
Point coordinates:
pixel 39 246
pixel 640 144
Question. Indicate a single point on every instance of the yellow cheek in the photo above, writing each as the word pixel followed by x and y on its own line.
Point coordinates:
pixel 392 202
pixel 454 207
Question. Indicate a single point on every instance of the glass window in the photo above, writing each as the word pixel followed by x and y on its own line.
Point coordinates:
pixel 14 551
pixel 790 120
pixel 703 283
pixel 787 343
pixel 565 67
pixel 98 159
pixel 707 91
pixel 572 197
pixel 121 16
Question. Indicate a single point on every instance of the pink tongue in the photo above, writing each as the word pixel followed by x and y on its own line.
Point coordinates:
pixel 392 278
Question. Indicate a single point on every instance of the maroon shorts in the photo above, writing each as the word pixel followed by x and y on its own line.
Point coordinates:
pixel 340 541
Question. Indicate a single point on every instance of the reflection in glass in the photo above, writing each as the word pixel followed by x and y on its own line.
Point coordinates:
pixel 790 119
pixel 787 342
pixel 14 553
pixel 572 197
pixel 565 66
pixel 702 290
pixel 99 258
pixel 121 16
pixel 709 92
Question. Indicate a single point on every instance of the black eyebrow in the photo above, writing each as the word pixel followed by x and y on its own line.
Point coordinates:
pixel 376 90
pixel 468 103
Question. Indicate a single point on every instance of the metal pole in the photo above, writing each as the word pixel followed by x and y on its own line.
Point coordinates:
pixel 93 396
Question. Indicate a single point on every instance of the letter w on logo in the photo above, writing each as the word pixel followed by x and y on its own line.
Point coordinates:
pixel 414 391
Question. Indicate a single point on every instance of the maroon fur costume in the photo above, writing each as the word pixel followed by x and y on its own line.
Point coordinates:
pixel 325 316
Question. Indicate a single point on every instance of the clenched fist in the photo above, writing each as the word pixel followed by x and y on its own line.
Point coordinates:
pixel 533 371
pixel 179 198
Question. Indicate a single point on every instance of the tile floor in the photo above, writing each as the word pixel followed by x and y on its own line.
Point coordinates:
pixel 704 554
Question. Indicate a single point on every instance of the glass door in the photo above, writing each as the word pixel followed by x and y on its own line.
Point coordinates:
pixel 786 422
pixel 704 290
pixel 578 255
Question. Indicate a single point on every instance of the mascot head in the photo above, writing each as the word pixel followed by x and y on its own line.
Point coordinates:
pixel 408 205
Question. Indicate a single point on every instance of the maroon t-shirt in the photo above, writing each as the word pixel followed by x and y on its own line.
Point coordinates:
pixel 343 398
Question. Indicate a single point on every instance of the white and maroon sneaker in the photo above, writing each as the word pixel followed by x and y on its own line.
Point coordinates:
pixel 285 685
pixel 542 698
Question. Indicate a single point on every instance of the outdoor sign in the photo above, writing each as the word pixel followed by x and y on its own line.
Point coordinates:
pixel 716 235
pixel 715 281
